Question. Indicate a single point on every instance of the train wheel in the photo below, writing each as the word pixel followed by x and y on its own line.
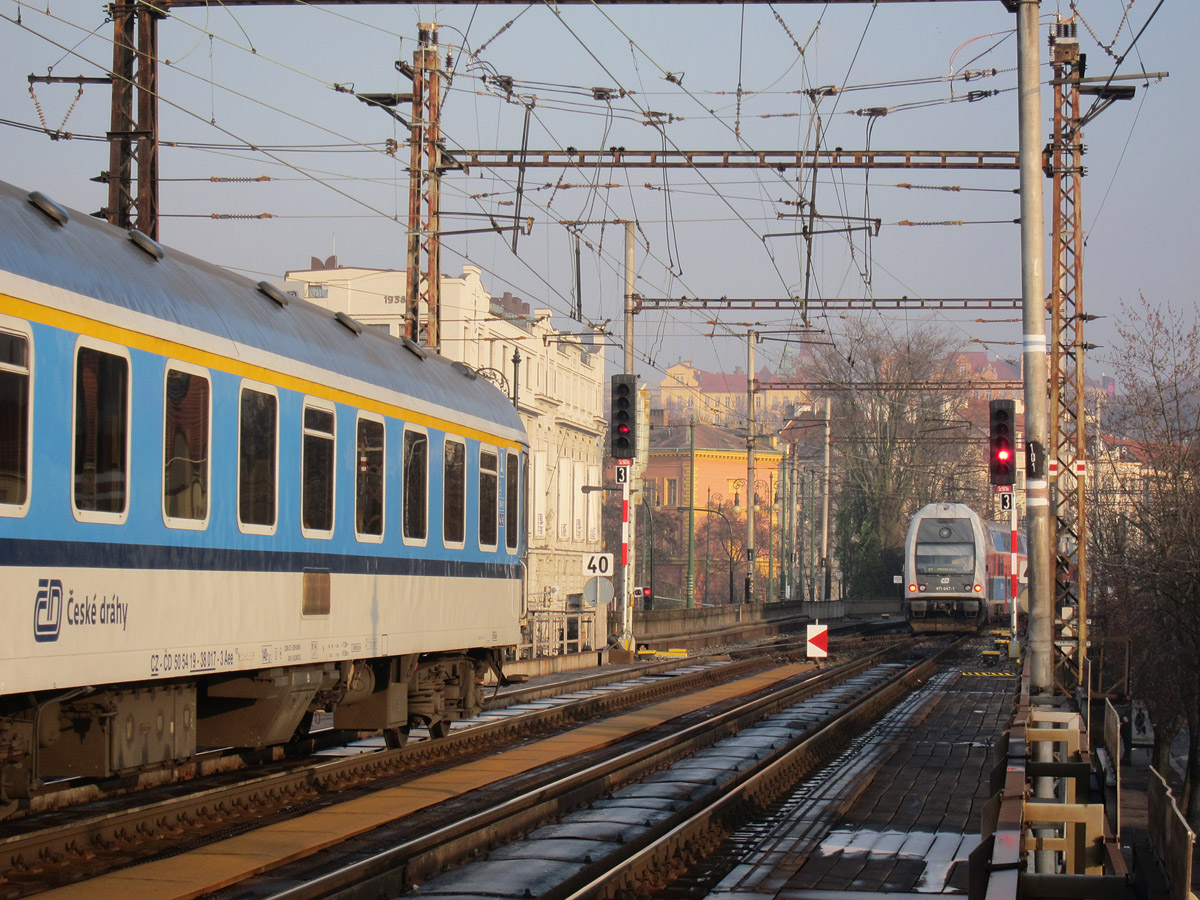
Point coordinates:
pixel 304 727
pixel 395 738
pixel 439 729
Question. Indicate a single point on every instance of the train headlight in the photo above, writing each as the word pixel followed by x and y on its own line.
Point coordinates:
pixel 912 588
pixel 979 588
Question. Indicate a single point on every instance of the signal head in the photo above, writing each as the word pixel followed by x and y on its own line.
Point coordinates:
pixel 623 419
pixel 1001 467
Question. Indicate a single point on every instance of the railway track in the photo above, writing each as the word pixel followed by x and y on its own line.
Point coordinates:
pixel 59 851
pixel 208 765
pixel 761 750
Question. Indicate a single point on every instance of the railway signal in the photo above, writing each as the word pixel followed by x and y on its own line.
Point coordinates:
pixel 646 595
pixel 1001 446
pixel 622 424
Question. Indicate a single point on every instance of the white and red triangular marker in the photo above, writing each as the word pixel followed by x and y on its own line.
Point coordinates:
pixel 818 641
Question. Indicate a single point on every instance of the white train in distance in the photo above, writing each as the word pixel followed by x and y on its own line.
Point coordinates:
pixel 957 569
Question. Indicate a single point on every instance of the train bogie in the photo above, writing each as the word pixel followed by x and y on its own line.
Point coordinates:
pixel 223 510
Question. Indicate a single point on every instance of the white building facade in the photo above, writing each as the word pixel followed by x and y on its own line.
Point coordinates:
pixel 558 383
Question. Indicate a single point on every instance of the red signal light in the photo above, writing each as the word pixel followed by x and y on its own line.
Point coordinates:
pixel 1001 423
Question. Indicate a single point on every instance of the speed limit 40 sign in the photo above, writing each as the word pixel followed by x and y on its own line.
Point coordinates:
pixel 598 564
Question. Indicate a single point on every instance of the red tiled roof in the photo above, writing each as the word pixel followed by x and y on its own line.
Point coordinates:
pixel 708 437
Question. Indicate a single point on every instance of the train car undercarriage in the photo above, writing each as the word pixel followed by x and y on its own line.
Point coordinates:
pixel 948 614
pixel 116 731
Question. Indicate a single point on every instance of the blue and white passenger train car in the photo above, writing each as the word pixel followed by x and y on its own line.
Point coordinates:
pixel 223 508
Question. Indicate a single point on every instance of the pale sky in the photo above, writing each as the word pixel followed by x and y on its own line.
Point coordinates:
pixel 266 77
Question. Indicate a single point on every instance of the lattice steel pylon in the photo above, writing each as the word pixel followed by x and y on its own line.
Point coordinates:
pixel 424 193
pixel 133 137
pixel 1068 421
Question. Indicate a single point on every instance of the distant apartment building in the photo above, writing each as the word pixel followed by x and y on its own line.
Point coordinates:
pixel 558 384
pixel 719 398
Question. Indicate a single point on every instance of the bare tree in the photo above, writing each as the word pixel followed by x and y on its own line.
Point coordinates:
pixel 898 445
pixel 1157 568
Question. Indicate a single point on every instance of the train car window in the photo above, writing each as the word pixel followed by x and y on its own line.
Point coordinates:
pixel 316 466
pixel 101 457
pixel 186 421
pixel 258 460
pixel 454 493
pixel 512 495
pixel 526 496
pixel 945 547
pixel 14 423
pixel 489 496
pixel 415 469
pixel 369 479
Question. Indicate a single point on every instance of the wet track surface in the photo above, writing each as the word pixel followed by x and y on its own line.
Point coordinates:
pixel 554 853
pixel 899 812
pixel 565 843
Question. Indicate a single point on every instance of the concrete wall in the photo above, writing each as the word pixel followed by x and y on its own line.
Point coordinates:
pixel 874 607
pixel 711 625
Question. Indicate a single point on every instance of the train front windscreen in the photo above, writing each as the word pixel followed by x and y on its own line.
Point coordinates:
pixel 944 547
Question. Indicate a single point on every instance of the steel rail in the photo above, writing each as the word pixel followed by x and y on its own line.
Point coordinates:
pixel 417 860
pixel 227 802
pixel 756 788
pixel 512 696
pixel 780 160
pixel 644 304
pixel 184 4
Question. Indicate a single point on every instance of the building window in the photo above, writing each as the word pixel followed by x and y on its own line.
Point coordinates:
pixel 369 478
pixel 318 291
pixel 672 492
pixel 489 490
pixel 101 431
pixel 316 463
pixel 14 420
pixel 186 413
pixel 257 459
pixel 454 502
pixel 415 473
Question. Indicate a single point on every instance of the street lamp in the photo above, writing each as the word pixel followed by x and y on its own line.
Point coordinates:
pixel 768 488
pixel 650 520
pixel 732 555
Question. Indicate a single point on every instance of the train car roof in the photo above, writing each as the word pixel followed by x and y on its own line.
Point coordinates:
pixel 90 257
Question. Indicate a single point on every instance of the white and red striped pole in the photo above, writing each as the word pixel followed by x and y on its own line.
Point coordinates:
pixel 627 593
pixel 1012 518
